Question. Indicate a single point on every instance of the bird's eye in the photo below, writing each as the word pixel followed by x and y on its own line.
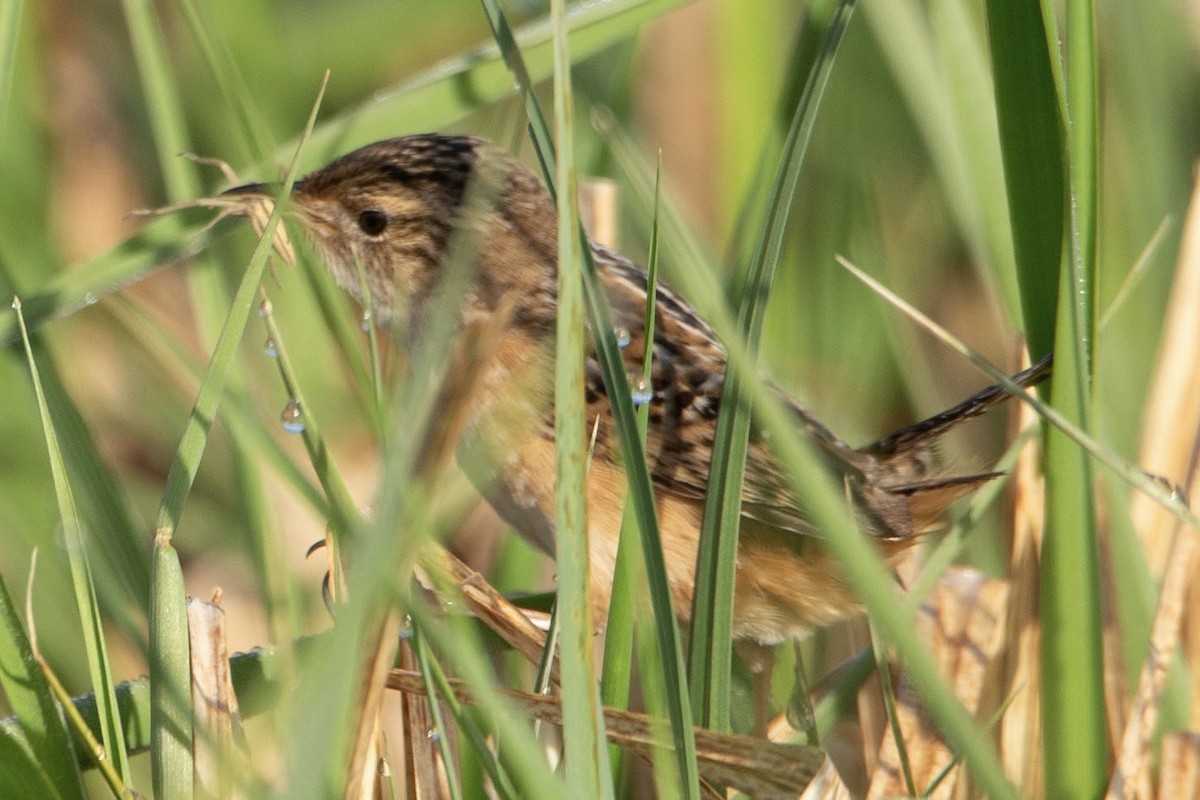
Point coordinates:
pixel 372 221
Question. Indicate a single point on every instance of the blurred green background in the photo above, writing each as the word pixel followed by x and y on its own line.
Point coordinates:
pixel 903 177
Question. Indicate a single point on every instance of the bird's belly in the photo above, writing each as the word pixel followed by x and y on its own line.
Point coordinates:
pixel 786 584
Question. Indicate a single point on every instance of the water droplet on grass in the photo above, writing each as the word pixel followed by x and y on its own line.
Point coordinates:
pixel 292 417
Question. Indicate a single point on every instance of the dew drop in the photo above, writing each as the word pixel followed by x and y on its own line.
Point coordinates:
pixel 624 337
pixel 292 417
pixel 270 348
pixel 367 322
pixel 433 736
pixel 264 309
pixel 640 391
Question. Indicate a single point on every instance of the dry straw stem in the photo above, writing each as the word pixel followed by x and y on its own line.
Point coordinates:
pixel 1021 723
pixel 489 606
pixel 1172 415
pixel 747 763
pixel 1132 776
pixel 826 785
pixel 424 773
pixel 362 773
pixel 1168 448
pixel 963 623
pixel 1180 773
pixel 219 744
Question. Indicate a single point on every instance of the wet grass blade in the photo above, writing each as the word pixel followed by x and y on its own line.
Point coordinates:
pixel 585 754
pixel 195 436
pixel 1075 744
pixel 712 605
pixel 169 646
pixel 628 575
pixel 633 456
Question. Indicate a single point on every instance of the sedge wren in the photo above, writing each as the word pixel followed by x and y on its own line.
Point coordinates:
pixel 383 218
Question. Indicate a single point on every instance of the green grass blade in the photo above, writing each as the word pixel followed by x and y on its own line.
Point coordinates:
pixel 1072 665
pixel 100 498
pixel 157 245
pixel 1031 126
pixel 208 289
pixel 170 677
pixel 21 775
pixel 435 684
pixel 1031 136
pixel 340 509
pixel 520 754
pixel 239 410
pixel 169 651
pixel 81 579
pixel 10 25
pixel 186 463
pixel 712 606
pixel 585 753
pixel 633 455
pixel 195 436
pixel 1075 744
pixel 45 751
pixel 627 571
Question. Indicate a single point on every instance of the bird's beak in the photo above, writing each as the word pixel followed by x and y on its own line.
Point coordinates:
pixel 254 190
pixel 257 201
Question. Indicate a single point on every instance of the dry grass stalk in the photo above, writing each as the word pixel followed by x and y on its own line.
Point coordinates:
pixel 1132 776
pixel 598 210
pixel 1191 651
pixel 1169 445
pixel 826 785
pixel 1180 774
pixel 1021 722
pixel 759 768
pixel 963 622
pixel 423 767
pixel 362 776
pixel 510 623
pixel 219 742
pixel 1172 415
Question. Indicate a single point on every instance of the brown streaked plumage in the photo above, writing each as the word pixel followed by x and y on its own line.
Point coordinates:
pixel 394 207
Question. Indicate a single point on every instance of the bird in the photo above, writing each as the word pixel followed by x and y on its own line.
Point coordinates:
pixel 387 218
